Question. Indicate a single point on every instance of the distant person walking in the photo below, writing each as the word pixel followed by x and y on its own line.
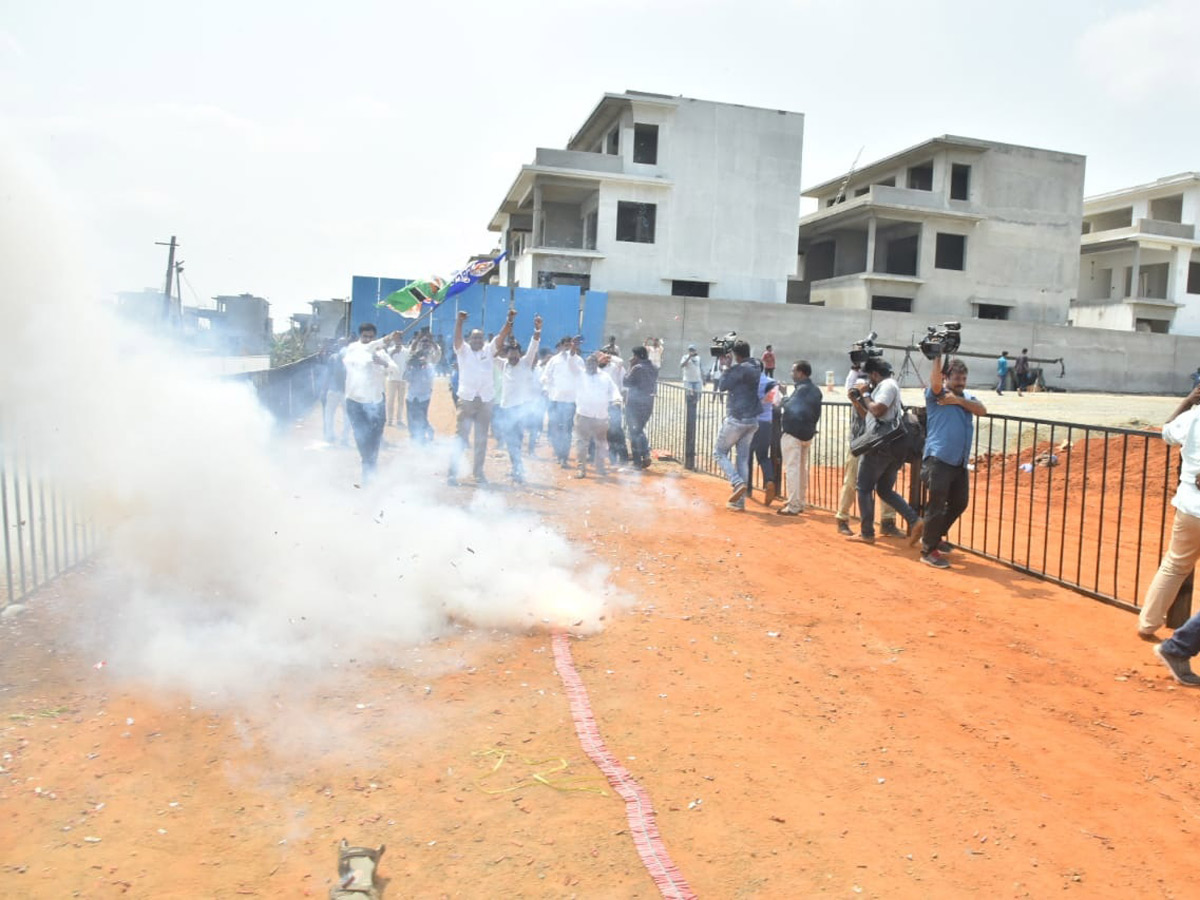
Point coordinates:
pixel 1022 371
pixel 768 361
pixel 1001 371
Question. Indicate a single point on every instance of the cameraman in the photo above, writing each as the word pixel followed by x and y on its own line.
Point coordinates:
pixel 877 468
pixel 949 422
pixel 741 380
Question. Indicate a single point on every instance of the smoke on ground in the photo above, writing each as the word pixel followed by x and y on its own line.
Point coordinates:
pixel 241 561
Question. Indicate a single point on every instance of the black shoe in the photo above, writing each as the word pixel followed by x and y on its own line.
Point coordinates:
pixel 1181 669
pixel 889 529
pixel 844 528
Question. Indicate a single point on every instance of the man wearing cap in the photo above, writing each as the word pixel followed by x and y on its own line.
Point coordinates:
pixel 691 371
pixel 877 468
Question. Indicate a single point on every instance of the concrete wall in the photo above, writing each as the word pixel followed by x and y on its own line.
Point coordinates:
pixel 728 215
pixel 1096 359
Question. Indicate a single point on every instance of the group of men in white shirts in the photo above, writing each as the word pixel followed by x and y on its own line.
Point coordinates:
pixel 582 399
pixel 505 387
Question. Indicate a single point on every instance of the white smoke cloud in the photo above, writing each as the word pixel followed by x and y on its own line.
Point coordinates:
pixel 236 559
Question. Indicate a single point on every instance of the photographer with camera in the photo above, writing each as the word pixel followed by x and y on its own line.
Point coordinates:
pixel 741 381
pixel 950 412
pixel 877 468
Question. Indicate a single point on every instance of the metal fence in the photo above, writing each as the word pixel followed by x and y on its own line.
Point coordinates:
pixel 1084 506
pixel 44 534
pixel 288 392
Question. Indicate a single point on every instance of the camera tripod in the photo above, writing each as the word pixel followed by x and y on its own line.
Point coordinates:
pixel 909 365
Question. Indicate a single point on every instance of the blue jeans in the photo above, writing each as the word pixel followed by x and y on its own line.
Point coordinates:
pixel 735 433
pixel 761 445
pixel 877 475
pixel 367 421
pixel 636 417
pixel 1185 642
pixel 562 423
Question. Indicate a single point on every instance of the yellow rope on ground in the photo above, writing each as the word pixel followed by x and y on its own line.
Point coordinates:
pixel 574 783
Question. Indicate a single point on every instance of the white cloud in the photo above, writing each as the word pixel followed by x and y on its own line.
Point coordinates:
pixel 10 46
pixel 1146 52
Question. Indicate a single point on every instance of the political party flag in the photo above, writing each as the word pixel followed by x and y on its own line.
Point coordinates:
pixel 416 297
pixel 471 274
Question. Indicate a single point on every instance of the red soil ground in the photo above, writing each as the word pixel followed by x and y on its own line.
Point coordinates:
pixel 810 718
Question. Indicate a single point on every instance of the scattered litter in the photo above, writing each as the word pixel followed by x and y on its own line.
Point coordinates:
pixel 880 780
pixel 129 721
pixel 101 664
pixel 772 634
pixel 695 804
pixel 92 840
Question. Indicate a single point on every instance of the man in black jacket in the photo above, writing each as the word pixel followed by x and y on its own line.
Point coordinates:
pixel 641 384
pixel 741 421
pixel 801 413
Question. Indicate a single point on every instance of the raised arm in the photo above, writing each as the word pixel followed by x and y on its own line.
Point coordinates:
pixel 502 338
pixel 458 326
pixel 535 342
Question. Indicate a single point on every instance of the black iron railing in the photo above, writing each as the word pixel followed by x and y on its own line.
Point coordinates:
pixel 288 392
pixel 44 534
pixel 1085 506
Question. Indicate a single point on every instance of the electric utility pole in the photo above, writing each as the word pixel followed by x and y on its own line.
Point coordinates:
pixel 166 308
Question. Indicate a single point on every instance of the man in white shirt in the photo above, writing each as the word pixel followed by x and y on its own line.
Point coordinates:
pixel 559 377
pixel 366 367
pixel 476 389
pixel 691 368
pixel 519 396
pixel 595 393
pixel 396 384
pixel 614 367
pixel 1181 430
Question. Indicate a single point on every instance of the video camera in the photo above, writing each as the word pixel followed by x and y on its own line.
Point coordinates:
pixel 722 346
pixel 865 350
pixel 941 341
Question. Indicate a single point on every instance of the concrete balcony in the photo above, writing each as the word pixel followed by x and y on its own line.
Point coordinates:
pixel 578 160
pixel 886 202
pixel 1110 238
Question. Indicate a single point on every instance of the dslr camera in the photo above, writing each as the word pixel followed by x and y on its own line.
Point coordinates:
pixel 861 352
pixel 723 345
pixel 941 341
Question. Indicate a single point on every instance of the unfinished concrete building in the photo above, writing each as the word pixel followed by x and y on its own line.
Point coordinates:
pixel 1139 267
pixel 951 228
pixel 661 195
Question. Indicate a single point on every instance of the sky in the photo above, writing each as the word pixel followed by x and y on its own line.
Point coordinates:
pixel 292 145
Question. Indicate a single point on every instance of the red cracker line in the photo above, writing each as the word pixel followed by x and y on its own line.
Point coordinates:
pixel 638 808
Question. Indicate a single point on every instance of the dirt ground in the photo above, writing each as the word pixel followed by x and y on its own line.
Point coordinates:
pixel 809 718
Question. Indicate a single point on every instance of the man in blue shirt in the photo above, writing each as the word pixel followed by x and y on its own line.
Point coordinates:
pixel 950 412
pixel 1001 371
pixel 743 406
